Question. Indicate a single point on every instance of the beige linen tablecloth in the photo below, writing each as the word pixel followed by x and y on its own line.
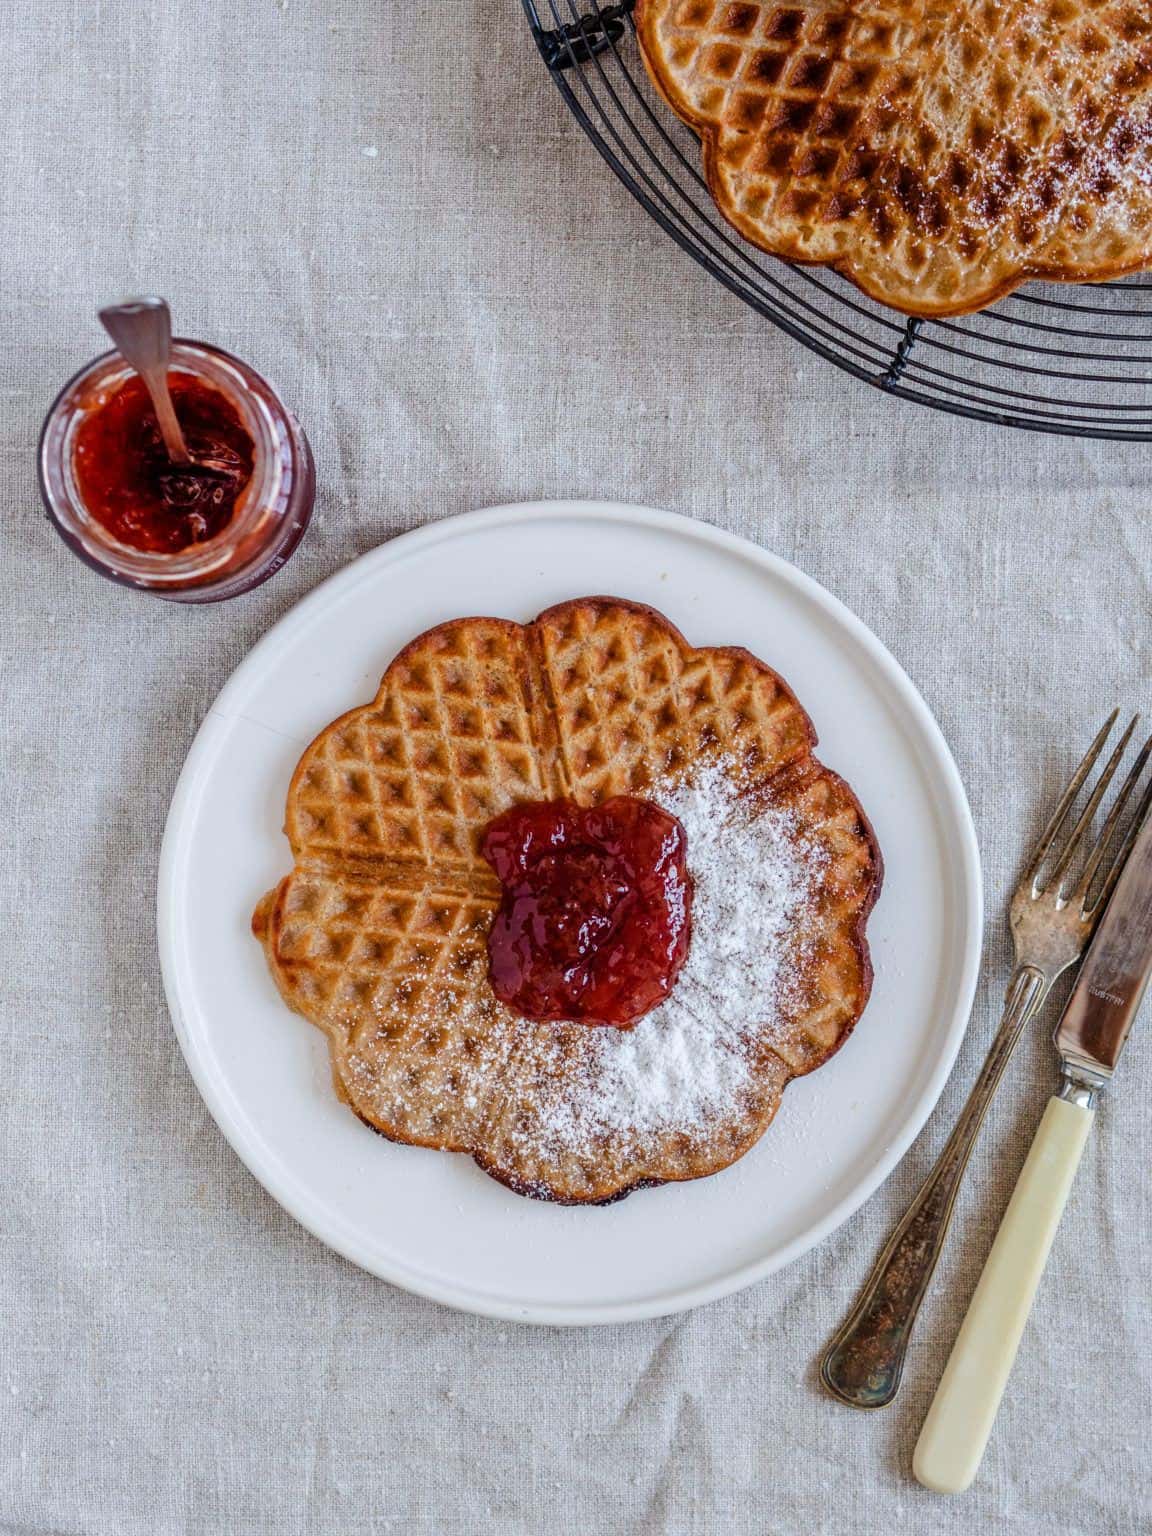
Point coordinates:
pixel 388 209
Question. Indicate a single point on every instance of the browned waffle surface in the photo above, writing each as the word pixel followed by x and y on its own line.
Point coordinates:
pixel 936 155
pixel 448 743
pixel 378 935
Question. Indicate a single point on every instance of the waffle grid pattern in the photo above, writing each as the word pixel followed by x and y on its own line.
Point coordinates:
pixel 381 940
pixel 633 705
pixel 448 743
pixel 936 158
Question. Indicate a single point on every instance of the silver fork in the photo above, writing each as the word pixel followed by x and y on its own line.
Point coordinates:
pixel 1051 920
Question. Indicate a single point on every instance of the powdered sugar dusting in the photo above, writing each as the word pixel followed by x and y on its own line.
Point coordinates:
pixel 685 1064
pixel 685 1068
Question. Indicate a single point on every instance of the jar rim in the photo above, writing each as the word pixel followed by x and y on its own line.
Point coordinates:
pixel 264 417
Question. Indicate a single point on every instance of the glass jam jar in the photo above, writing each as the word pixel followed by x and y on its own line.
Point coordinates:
pixel 272 505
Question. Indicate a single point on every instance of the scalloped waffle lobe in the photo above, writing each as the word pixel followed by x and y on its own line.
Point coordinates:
pixel 378 935
pixel 936 155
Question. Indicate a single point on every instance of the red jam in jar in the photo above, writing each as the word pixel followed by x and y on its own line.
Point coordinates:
pixel 132 488
pixel 195 533
pixel 595 919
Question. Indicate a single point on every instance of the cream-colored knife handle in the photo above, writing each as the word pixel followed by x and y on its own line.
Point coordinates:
pixel 963 1411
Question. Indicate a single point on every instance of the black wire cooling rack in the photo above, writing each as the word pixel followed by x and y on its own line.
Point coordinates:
pixel 1052 357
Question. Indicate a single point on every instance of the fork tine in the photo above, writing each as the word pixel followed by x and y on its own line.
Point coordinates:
pixel 1084 820
pixel 1107 831
pixel 1048 837
pixel 1122 852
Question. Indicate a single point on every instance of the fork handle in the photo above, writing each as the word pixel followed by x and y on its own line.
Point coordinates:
pixel 959 1422
pixel 864 1362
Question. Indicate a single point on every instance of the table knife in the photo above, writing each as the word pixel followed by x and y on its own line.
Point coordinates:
pixel 1089 1038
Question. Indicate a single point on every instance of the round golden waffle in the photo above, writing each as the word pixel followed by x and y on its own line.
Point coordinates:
pixel 378 935
pixel 937 156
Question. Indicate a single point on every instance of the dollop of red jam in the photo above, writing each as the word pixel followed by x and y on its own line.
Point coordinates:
pixel 131 487
pixel 596 914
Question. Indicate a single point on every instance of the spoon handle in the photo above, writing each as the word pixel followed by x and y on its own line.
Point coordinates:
pixel 170 428
pixel 141 330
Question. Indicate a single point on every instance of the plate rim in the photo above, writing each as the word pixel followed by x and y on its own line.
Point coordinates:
pixel 227 1112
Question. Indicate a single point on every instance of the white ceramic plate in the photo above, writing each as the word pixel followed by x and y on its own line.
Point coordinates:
pixel 432 1222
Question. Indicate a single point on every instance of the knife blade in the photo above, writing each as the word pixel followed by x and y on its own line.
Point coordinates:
pixel 1114 974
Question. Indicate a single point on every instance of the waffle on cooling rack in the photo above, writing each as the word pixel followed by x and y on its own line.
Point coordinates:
pixel 378 935
pixel 937 156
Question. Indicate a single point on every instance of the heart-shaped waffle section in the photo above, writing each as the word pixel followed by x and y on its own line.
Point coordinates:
pixel 937 156
pixel 378 935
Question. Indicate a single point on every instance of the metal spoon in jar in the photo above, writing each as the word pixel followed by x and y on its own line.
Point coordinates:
pixel 141 330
